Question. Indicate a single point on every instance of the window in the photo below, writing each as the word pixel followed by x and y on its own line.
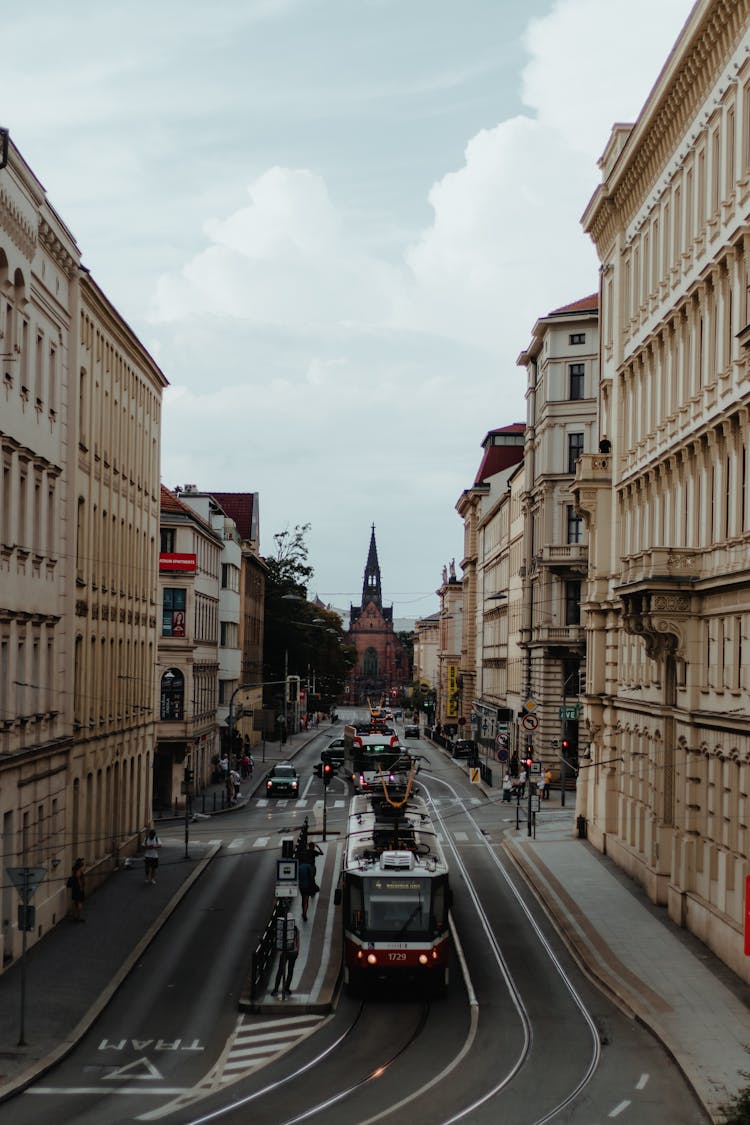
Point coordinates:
pixel 173 612
pixel 166 541
pixel 573 603
pixel 575 526
pixel 576 380
pixel 172 695
pixel 577 338
pixel 575 449
pixel 370 663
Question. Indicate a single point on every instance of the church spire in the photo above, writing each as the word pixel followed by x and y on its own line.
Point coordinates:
pixel 371 591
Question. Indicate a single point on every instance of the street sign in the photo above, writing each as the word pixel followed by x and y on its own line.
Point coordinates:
pixel 554 743
pixel 569 712
pixel 26 880
pixel 529 722
pixel 286 870
pixel 474 776
pixel 285 890
pixel 530 705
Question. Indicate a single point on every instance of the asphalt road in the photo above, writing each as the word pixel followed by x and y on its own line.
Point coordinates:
pixel 539 1043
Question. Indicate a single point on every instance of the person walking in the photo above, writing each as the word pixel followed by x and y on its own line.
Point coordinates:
pixel 287 961
pixel 77 884
pixel 306 881
pixel 151 846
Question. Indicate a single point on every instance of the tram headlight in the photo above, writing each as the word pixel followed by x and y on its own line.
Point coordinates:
pixel 371 959
pixel 423 959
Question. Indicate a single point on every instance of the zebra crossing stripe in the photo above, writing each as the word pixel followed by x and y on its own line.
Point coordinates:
pixel 254 1044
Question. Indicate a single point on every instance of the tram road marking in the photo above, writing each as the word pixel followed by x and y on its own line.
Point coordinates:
pixel 252 1045
pixel 642 1081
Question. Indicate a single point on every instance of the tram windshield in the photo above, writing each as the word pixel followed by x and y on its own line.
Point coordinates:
pixel 390 907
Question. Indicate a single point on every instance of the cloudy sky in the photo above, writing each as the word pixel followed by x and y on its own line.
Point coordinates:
pixel 333 223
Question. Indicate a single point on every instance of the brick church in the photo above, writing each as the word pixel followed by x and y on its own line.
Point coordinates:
pixel 382 667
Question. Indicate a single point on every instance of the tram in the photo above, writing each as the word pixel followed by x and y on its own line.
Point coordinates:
pixel 369 756
pixel 395 892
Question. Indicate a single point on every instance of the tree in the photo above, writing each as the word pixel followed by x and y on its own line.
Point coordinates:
pixel 300 638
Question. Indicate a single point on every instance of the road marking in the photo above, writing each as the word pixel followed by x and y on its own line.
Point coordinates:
pixel 130 1071
pixel 620 1108
pixel 238 842
pixel 261 841
pixel 154 1091
pixel 641 1083
pixel 461 837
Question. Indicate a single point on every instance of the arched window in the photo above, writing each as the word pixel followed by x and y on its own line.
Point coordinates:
pixel 172 694
pixel 370 663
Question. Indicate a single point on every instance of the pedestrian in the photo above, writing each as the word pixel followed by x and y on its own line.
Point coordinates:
pixel 77 885
pixel 507 787
pixel 547 783
pixel 234 777
pixel 287 961
pixel 245 769
pixel 151 846
pixel 224 767
pixel 540 784
pixel 521 784
pixel 306 882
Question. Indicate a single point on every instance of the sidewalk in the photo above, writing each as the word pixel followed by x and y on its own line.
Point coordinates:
pixel 656 972
pixel 72 973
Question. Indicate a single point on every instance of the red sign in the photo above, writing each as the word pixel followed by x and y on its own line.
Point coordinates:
pixel 747 915
pixel 183 563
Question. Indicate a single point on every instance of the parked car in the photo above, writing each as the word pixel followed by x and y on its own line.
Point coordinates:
pixel 411 732
pixel 282 781
pixel 463 748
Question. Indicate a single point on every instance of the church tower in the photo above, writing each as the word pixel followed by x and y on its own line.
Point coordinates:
pixel 382 668
pixel 371 590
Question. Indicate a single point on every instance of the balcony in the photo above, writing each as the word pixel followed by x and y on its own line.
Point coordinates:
pixel 564 556
pixel 656 592
pixel 555 636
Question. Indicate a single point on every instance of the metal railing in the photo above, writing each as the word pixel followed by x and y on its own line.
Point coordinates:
pixel 265 951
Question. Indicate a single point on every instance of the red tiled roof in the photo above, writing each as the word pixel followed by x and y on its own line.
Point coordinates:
pixel 239 507
pixel 171 503
pixel 585 304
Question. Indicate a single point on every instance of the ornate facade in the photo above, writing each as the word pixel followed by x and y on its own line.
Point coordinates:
pixel 668 508
pixel 79 432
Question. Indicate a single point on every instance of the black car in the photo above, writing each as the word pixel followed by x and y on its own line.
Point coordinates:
pixel 464 748
pixel 411 732
pixel 282 781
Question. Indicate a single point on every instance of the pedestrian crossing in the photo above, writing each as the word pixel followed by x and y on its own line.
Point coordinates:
pixel 256 1042
pixel 299 803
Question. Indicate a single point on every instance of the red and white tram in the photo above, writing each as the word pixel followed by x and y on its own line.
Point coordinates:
pixel 395 893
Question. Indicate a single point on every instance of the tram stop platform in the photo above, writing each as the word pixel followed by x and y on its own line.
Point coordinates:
pixel 317 971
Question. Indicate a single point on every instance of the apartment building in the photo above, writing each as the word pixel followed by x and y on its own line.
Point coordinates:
pixel 484 509
pixel 116 480
pixel 244 509
pixel 39 279
pixel 561 363
pixel 667 500
pixel 80 454
pixel 190 562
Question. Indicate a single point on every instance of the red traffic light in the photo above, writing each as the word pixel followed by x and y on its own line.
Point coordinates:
pixel 565 744
pixel 327 771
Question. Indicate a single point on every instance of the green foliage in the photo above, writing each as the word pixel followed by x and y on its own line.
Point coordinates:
pixel 737 1112
pixel 300 638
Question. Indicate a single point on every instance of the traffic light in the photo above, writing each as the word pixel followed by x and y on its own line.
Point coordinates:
pixel 565 745
pixel 527 761
pixel 189 776
pixel 327 771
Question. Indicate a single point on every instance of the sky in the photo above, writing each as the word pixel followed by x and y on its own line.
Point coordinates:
pixel 333 223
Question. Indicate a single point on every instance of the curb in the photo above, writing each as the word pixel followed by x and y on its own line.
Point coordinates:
pixel 66 1045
